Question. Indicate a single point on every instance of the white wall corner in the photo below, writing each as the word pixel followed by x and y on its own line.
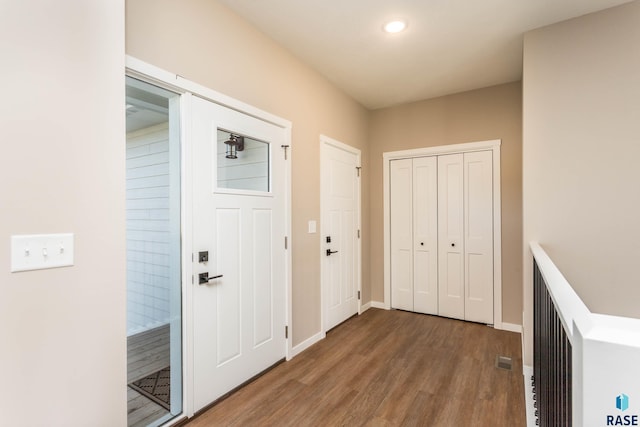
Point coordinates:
pixel 378 304
pixel 364 307
pixel 511 327
pixel 296 350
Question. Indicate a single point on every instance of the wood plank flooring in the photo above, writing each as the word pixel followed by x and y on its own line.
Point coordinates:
pixel 147 352
pixel 387 368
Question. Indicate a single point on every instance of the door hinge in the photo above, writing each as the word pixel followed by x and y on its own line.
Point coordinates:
pixel 358 169
pixel 285 150
pixel 358 295
pixel 358 234
pixel 286 242
pixel 286 332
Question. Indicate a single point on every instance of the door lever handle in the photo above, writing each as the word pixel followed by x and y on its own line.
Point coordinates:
pixel 204 278
pixel 329 252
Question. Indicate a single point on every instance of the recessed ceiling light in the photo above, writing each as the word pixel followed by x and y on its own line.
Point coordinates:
pixel 395 26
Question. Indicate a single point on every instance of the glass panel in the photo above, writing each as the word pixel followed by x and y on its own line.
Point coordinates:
pixel 243 162
pixel 154 317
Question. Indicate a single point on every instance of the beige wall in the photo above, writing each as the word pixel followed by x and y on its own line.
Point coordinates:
pixel 581 129
pixel 62 331
pixel 207 43
pixel 484 114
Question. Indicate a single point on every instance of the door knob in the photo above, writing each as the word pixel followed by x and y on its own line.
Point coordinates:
pixel 204 278
pixel 329 252
pixel 453 245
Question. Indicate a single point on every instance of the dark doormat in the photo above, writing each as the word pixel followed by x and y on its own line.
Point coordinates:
pixel 156 387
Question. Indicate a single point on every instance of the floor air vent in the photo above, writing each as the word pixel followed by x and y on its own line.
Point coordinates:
pixel 504 362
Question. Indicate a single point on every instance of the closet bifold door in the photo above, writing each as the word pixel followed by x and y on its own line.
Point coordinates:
pixel 465 236
pixel 451 299
pixel 478 230
pixel 401 213
pixel 425 235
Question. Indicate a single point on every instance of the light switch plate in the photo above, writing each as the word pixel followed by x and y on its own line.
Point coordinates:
pixel 312 227
pixel 41 251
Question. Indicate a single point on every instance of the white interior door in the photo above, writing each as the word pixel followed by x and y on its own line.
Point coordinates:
pixel 401 216
pixel 451 236
pixel 340 224
pixel 239 218
pixel 425 235
pixel 478 229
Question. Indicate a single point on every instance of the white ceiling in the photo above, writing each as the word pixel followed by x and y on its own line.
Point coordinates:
pixel 450 46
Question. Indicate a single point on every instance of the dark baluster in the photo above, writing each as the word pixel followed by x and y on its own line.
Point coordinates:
pixel 552 359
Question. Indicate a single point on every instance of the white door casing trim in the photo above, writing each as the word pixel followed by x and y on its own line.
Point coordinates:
pixel 325 140
pixel 151 74
pixel 494 146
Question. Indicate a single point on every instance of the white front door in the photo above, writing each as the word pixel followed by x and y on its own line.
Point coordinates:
pixel 239 219
pixel 340 223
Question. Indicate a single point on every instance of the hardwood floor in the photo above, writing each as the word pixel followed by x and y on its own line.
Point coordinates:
pixel 387 368
pixel 147 352
pixel 142 411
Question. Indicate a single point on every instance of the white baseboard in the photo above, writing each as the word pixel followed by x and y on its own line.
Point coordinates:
pixel 364 307
pixel 378 304
pixel 527 372
pixel 296 350
pixel 511 327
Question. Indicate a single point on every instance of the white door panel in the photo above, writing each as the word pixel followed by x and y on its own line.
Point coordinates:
pixel 340 222
pixel 333 273
pixel 238 319
pixel 401 177
pixel 348 244
pixel 425 235
pixel 451 236
pixel 478 218
pixel 262 276
pixel 227 299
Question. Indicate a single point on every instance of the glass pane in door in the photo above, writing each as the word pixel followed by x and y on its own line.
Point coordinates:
pixel 242 162
pixel 154 317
